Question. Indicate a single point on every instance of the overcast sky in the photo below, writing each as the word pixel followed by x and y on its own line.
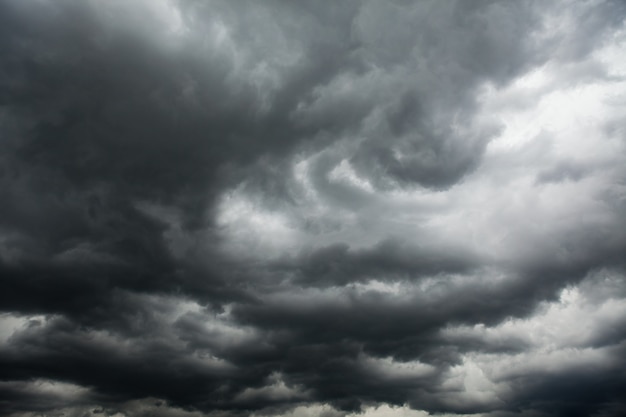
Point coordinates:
pixel 312 208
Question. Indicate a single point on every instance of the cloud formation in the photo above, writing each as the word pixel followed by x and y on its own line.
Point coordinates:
pixel 369 208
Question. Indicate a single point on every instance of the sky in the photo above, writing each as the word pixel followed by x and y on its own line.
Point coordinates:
pixel 312 209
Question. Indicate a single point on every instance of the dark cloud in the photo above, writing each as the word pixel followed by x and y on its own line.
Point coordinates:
pixel 218 208
pixel 338 265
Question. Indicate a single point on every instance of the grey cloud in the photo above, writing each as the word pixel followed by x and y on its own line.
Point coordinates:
pixel 339 265
pixel 562 172
pixel 355 132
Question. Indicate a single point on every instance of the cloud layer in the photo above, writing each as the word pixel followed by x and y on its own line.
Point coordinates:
pixel 299 209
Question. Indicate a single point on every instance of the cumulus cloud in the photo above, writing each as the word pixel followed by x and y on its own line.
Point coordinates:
pixel 398 208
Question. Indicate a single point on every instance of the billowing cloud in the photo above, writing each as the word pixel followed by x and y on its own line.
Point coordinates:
pixel 398 208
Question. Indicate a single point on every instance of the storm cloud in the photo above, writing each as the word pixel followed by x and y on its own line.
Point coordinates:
pixel 329 209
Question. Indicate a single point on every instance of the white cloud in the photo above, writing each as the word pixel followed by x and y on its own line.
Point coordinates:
pixel 560 338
